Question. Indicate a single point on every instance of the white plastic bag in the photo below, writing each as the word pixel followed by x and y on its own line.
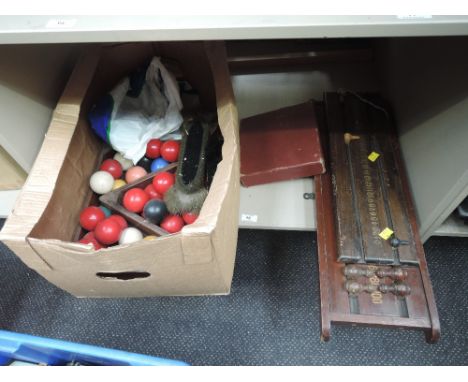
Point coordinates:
pixel 133 121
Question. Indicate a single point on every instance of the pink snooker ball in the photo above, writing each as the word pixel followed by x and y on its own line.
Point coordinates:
pixel 134 173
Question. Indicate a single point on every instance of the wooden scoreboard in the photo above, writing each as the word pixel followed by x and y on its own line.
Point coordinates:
pixel 372 265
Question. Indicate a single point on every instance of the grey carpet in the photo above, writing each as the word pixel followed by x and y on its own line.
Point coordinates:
pixel 271 317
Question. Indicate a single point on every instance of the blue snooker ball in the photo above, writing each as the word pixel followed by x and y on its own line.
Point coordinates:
pixel 158 164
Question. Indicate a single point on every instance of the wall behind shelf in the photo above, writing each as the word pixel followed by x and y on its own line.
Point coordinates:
pixel 260 93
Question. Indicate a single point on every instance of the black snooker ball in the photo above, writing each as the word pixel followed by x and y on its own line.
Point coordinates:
pixel 145 162
pixel 154 211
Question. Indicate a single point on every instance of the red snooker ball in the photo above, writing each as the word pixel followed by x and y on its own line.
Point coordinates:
pixel 90 216
pixel 119 219
pixel 172 223
pixel 90 238
pixel 153 149
pixel 170 150
pixel 163 181
pixel 108 231
pixel 135 199
pixel 112 167
pixel 189 217
pixel 149 189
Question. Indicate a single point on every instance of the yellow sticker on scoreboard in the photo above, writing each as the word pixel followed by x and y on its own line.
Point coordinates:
pixel 386 233
pixel 373 156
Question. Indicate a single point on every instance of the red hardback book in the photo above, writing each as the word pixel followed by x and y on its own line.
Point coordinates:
pixel 280 145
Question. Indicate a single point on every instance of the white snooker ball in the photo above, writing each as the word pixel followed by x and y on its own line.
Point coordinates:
pixel 130 235
pixel 125 163
pixel 101 182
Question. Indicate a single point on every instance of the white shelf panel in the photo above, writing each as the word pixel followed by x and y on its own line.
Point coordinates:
pixel 279 205
pixel 66 29
pixel 452 227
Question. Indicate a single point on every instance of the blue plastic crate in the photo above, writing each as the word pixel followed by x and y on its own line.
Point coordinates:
pixel 38 350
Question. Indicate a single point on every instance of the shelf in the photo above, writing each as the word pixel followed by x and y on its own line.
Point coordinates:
pixel 452 227
pixel 66 29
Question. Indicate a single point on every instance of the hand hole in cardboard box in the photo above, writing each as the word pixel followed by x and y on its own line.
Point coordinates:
pixel 123 275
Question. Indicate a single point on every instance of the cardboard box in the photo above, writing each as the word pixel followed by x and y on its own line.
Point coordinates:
pixel 197 261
